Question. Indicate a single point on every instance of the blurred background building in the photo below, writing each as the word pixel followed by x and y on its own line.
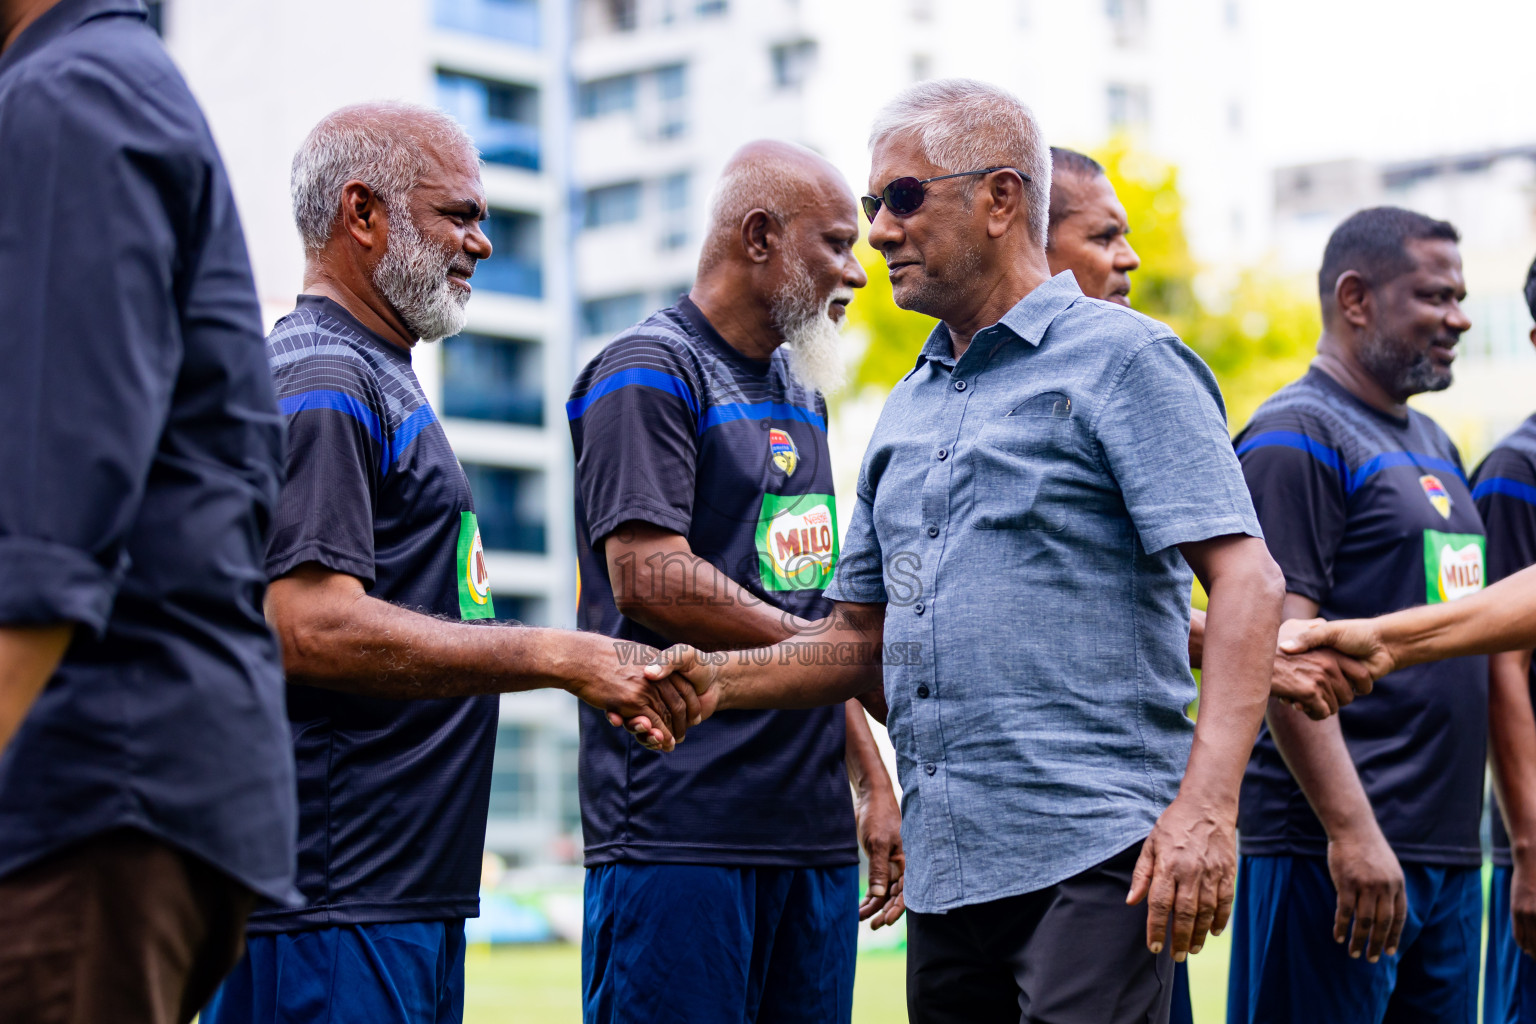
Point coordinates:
pixel 603 124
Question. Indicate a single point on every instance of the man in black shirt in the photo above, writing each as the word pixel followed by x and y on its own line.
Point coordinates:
pixel 146 794
pixel 375 543
pixel 1366 825
pixel 706 515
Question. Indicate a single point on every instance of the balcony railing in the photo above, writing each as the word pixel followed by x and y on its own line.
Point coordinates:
pixel 513 21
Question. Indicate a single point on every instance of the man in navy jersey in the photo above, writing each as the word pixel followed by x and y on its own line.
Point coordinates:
pixel 375 549
pixel 1504 487
pixel 1363 828
pixel 705 515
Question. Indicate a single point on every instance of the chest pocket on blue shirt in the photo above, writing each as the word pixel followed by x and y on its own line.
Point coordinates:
pixel 1013 459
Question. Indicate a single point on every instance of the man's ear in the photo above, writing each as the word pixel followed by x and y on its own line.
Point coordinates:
pixel 1004 197
pixel 759 235
pixel 1355 300
pixel 363 215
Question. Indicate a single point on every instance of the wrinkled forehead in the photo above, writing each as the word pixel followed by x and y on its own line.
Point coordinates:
pixel 898 156
pixel 1435 258
pixel 453 172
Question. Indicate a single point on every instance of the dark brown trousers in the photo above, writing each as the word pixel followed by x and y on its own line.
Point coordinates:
pixel 119 928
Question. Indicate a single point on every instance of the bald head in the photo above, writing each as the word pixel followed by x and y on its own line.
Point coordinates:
pixel 779 178
pixel 390 147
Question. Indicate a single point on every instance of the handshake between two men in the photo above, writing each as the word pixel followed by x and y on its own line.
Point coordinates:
pixel 689 685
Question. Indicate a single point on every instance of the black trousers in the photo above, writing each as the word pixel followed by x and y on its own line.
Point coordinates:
pixel 1073 953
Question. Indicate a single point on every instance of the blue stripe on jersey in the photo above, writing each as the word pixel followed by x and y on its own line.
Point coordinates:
pixel 1505 486
pixel 409 428
pixel 1290 439
pixel 759 411
pixel 340 401
pixel 1386 459
pixel 635 376
pixel 1335 461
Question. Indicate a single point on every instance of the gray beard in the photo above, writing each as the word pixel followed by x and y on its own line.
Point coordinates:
pixel 413 277
pixel 812 339
pixel 1400 371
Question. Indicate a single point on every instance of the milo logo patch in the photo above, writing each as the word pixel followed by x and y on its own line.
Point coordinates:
pixel 797 541
pixel 474 576
pixel 1453 565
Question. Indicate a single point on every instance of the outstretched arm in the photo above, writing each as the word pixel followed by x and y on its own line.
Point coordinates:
pixel 824 663
pixel 1500 618
pixel 335 636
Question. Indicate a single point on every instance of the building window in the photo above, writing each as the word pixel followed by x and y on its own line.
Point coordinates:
pixel 514 772
pixel 601 17
pixel 603 317
pixel 606 96
pixel 793 63
pixel 510 507
pixel 487 378
pixel 1129 106
pixel 1128 19
pixel 672 99
pixel 712 8
pixel 502 118
pixel 521 608
pixel 612 204
pixel 515 266
pixel 674 211
pixel 515 21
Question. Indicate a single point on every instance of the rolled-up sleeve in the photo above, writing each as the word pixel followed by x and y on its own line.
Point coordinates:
pixel 1163 432
pixel 91 343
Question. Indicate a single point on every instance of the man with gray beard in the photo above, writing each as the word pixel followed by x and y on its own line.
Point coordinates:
pixel 705 515
pixel 374 547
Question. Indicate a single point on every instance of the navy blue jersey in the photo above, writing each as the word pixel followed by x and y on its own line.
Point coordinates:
pixel 1369 514
pixel 674 427
pixel 140 458
pixel 1504 488
pixel 392 793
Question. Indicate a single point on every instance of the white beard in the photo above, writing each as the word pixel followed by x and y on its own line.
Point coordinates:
pixel 413 276
pixel 812 339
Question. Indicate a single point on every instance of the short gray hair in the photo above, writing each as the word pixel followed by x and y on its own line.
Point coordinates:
pixel 383 145
pixel 771 181
pixel 964 125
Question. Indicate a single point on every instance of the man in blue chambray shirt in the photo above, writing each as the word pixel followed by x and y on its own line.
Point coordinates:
pixel 1028 511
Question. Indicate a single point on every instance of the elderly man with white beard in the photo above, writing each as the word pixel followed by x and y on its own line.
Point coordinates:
pixel 374 549
pixel 705 515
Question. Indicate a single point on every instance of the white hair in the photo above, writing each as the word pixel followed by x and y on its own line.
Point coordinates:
pixel 387 146
pixel 961 124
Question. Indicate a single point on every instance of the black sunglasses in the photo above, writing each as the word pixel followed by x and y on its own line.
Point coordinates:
pixel 904 195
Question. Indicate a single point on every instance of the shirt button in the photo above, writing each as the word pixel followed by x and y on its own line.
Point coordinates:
pixel 943 454
pixel 922 691
pixel 933 531
pixel 959 385
pixel 930 767
pixel 918 608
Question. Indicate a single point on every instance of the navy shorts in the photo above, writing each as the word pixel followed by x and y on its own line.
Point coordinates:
pixel 408 973
pixel 698 944
pixel 1509 983
pixel 1286 966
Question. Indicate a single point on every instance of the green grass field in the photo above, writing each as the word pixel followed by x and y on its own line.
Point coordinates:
pixel 542 985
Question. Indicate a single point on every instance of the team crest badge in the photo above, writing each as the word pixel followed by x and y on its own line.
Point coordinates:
pixel 1435 491
pixel 782 447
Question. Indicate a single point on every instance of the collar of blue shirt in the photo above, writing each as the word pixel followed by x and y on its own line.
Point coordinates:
pixel 63 18
pixel 1028 319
